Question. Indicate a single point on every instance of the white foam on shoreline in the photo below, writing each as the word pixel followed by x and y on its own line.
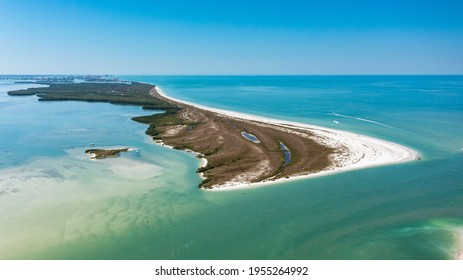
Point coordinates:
pixel 360 151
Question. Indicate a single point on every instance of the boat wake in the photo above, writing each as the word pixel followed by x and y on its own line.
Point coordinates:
pixel 361 119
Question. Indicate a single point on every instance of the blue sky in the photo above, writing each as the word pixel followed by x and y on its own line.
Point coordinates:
pixel 231 37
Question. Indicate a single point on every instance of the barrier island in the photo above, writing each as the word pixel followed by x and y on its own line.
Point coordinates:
pixel 237 150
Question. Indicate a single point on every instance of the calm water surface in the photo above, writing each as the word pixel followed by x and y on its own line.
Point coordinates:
pixel 56 203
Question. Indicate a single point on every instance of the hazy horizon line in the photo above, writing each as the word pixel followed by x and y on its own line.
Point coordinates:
pixel 240 74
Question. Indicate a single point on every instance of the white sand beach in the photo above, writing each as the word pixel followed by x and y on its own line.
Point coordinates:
pixel 358 151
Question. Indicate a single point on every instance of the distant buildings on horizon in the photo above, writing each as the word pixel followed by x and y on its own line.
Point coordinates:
pixel 63 78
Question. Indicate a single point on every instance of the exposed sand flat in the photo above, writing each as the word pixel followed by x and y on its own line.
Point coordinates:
pixel 459 253
pixel 356 151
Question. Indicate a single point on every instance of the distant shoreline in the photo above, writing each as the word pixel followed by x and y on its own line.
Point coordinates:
pixel 364 151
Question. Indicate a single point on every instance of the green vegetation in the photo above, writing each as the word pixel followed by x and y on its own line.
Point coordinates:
pixel 115 93
pixel 168 118
pixel 182 147
pixel 185 128
pixel 101 153
pixel 204 182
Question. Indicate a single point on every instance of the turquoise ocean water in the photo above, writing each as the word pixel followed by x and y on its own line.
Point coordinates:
pixel 56 203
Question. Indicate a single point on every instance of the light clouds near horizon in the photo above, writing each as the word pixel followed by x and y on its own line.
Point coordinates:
pixel 233 37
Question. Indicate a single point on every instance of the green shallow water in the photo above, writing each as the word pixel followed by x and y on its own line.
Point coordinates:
pixel 55 203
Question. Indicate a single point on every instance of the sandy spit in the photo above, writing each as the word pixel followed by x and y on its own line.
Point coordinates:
pixel 361 151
